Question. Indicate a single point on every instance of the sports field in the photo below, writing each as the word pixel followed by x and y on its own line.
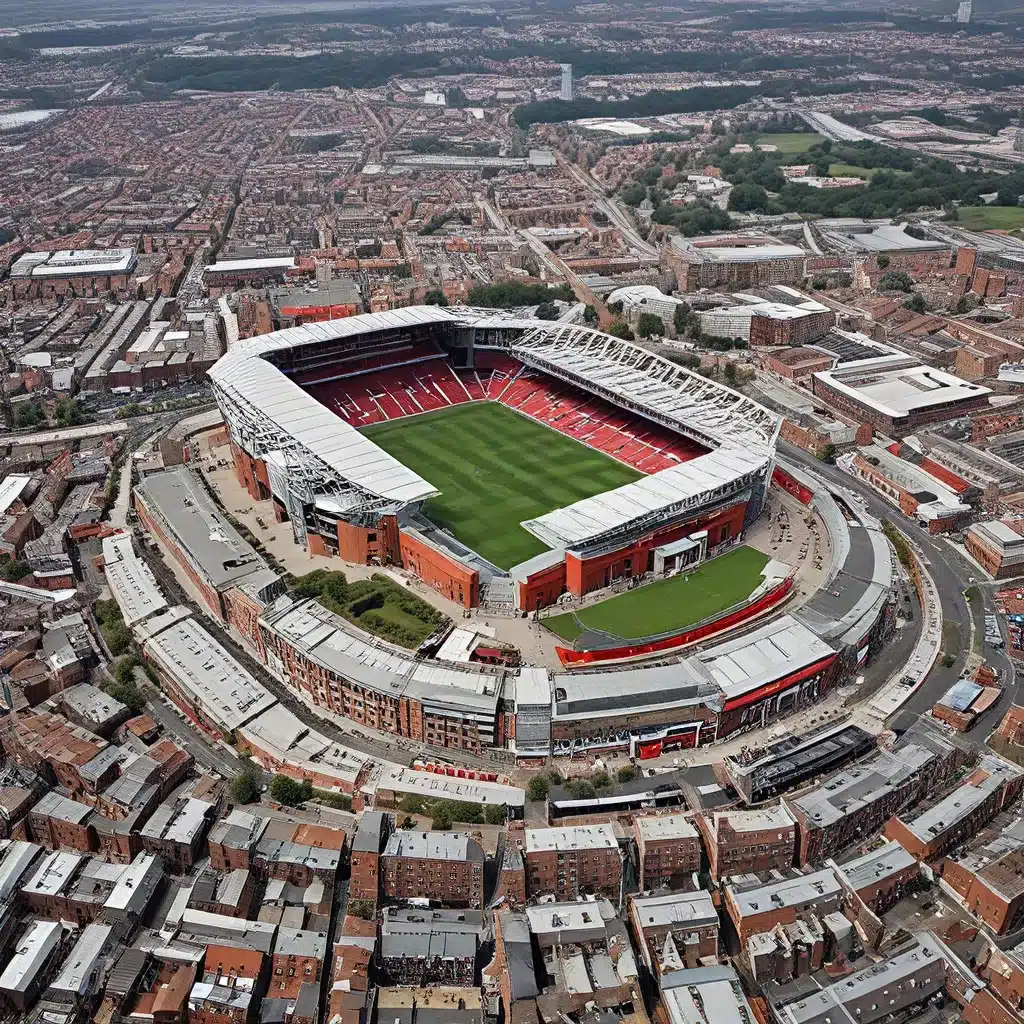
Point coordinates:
pixel 670 604
pixel 495 469
pixel 984 218
pixel 791 142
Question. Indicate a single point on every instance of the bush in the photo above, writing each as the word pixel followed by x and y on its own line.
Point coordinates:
pixel 248 783
pixel 600 780
pixel 538 788
pixel 435 297
pixel 882 261
pixel 916 303
pixel 546 311
pixel 619 329
pixel 627 773
pixel 329 798
pixel 286 790
pixel 896 281
pixel 365 910
pixel 648 326
pixel 494 814
pixel 14 569
pixel 580 789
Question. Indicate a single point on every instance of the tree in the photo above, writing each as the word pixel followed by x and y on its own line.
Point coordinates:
pixel 681 317
pixel 828 453
pixel 538 788
pixel 648 325
pixel 600 779
pixel 546 311
pixel 882 261
pixel 590 315
pixel 363 909
pixel 966 304
pixel 435 297
pixel 748 196
pixel 622 330
pixel 627 773
pixel 14 569
pixel 494 814
pixel 1007 196
pixel 916 303
pixel 896 281
pixel 730 373
pixel 248 783
pixel 286 790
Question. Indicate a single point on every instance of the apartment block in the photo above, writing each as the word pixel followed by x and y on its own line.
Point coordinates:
pixel 572 861
pixel 443 867
pixel 669 851
pixel 739 842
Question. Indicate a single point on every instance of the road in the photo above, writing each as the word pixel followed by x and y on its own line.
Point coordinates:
pixel 952 574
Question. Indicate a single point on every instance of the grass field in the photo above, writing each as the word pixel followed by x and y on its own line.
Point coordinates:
pixel 982 218
pixel 674 603
pixel 852 171
pixel 495 469
pixel 792 142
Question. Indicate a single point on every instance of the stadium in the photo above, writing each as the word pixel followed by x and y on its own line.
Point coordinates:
pixel 504 461
pixel 513 465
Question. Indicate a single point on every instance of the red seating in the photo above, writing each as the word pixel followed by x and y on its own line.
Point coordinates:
pixel 430 382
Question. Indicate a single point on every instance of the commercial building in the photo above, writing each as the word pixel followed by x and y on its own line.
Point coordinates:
pixel 911 976
pixel 364 861
pixel 298 959
pixel 756 907
pixel 989 877
pixel 993 785
pixel 739 842
pixel 853 805
pixel 35 955
pixel 669 851
pixel 998 546
pixel 897 394
pixel 572 861
pixel 423 950
pixel 176 830
pixel 705 995
pixel 440 866
pixel 230 275
pixel 735 263
pixel 881 877
pixel 80 272
pixel 233 581
pixel 960 706
pixel 675 929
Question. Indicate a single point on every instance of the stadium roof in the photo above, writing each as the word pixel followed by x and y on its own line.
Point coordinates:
pixel 687 483
pixel 327 457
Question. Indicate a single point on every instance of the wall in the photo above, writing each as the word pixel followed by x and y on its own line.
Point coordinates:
pixel 447 576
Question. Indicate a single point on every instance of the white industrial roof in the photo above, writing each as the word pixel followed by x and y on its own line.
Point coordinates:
pixel 78 969
pixel 10 490
pixel 896 386
pixel 228 694
pixel 751 253
pixel 571 837
pixel 398 779
pixel 239 266
pixel 130 580
pixel 30 954
pixel 589 518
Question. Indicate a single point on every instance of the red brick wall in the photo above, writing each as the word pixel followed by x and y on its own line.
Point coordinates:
pixel 448 577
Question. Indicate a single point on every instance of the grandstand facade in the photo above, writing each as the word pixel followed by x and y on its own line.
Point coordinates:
pixel 296 403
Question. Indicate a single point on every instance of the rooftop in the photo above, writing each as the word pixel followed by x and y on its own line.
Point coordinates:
pixel 451 846
pixel 800 891
pixel 576 837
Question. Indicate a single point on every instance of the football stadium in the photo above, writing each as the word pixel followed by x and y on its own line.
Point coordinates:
pixel 522 466
pixel 504 461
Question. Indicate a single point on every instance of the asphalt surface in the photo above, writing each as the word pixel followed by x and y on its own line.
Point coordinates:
pixel 952 574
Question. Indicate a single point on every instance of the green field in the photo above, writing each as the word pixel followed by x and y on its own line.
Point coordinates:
pixel 983 218
pixel 673 603
pixel 851 171
pixel 495 469
pixel 791 142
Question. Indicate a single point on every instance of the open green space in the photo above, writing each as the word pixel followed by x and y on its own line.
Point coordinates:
pixel 791 142
pixel 669 604
pixel 852 171
pixel 378 605
pixel 984 218
pixel 495 469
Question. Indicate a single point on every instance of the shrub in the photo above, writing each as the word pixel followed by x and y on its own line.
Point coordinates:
pixel 538 788
pixel 286 790
pixel 494 814
pixel 627 773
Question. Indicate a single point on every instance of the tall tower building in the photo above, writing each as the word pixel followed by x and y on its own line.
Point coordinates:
pixel 566 93
pixel 963 14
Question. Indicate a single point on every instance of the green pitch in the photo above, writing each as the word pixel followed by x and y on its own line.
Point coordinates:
pixel 496 469
pixel 670 604
pixel 791 142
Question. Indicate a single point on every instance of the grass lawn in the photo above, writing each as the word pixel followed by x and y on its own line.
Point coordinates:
pixel 495 469
pixel 852 171
pixel 792 142
pixel 673 603
pixel 982 218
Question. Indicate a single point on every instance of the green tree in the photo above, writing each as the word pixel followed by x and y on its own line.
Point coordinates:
pixel 1007 196
pixel 882 261
pixel 600 779
pixel 681 317
pixel 648 325
pixel 435 297
pixel 828 453
pixel 365 910
pixel 538 788
pixel 286 790
pixel 896 281
pixel 494 814
pixel 590 315
pixel 620 329
pixel 14 569
pixel 247 784
pixel 547 311
pixel 916 303
pixel 748 196
pixel 730 374
pixel 627 773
